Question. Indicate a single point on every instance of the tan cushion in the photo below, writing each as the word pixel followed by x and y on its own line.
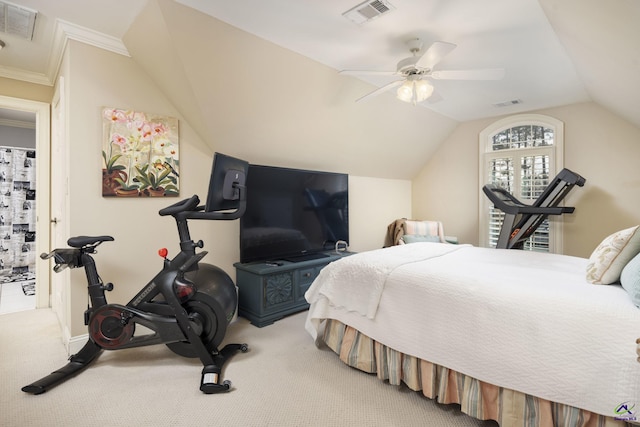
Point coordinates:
pixel 609 258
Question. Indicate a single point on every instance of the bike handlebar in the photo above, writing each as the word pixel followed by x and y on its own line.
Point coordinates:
pixel 190 210
pixel 182 206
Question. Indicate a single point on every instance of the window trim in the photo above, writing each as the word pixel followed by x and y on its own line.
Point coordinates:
pixel 486 151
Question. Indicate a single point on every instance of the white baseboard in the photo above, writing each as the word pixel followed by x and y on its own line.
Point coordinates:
pixel 76 343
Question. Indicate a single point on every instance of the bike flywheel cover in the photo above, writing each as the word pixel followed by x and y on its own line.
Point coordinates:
pixel 108 326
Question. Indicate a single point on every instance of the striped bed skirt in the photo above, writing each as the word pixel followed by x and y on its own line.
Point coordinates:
pixel 480 400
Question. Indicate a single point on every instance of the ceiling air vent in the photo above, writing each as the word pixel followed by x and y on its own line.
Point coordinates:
pixel 17 20
pixel 508 103
pixel 365 12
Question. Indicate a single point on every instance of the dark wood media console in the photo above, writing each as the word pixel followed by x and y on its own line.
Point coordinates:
pixel 268 291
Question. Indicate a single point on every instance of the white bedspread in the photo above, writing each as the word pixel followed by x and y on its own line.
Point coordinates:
pixel 343 286
pixel 521 320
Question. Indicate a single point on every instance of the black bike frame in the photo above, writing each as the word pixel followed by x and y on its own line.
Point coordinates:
pixel 168 318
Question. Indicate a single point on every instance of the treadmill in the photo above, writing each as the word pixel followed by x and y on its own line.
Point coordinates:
pixel 521 220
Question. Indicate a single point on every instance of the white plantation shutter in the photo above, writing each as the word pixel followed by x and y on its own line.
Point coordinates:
pixel 521 158
pixel 500 173
pixel 534 178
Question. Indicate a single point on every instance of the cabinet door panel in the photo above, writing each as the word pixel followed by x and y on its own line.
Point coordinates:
pixel 278 289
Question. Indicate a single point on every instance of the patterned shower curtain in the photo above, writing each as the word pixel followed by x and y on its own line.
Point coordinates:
pixel 17 214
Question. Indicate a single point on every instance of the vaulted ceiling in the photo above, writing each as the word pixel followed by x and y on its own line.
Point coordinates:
pixel 554 52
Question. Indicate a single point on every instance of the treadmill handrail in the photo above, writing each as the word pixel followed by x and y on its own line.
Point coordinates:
pixel 511 205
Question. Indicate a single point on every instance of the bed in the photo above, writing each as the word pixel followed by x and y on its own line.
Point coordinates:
pixel 519 337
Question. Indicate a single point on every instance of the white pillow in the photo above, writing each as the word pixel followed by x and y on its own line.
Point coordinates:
pixel 609 258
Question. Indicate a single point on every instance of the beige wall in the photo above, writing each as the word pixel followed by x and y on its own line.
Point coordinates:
pixel 25 90
pixel 96 79
pixel 599 145
pixel 373 204
pixel 274 106
pixel 605 149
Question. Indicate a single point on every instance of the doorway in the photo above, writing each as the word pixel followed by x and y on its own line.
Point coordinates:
pixel 24 110
pixel 17 210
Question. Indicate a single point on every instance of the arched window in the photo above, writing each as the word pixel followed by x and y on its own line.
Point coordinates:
pixel 522 154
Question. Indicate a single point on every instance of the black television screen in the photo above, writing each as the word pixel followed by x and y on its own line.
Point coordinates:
pixel 293 214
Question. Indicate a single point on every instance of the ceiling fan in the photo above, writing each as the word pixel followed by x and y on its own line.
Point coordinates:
pixel 416 70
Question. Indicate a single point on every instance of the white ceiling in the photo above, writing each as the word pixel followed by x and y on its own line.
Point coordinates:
pixel 37 60
pixel 555 52
pixel 514 35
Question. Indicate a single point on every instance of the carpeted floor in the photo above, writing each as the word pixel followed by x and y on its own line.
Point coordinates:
pixel 284 380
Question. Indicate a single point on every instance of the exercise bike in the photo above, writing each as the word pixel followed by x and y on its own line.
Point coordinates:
pixel 187 306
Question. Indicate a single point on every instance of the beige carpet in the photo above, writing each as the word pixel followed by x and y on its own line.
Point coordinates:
pixel 284 380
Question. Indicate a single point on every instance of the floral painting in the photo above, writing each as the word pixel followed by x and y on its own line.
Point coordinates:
pixel 140 154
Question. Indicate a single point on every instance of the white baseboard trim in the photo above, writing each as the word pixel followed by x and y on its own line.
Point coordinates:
pixel 76 343
pixel 66 337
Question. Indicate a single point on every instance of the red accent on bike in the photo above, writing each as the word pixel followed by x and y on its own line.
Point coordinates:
pixel 184 291
pixel 163 252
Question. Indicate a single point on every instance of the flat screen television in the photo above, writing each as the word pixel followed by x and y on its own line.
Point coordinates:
pixel 292 214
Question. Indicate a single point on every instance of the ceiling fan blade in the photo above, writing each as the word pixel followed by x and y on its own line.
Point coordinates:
pixel 381 90
pixel 479 74
pixel 367 73
pixel 434 54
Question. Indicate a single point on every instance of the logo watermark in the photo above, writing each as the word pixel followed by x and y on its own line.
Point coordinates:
pixel 625 412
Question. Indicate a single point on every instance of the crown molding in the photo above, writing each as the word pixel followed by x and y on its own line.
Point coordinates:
pixel 93 38
pixel 26 76
pixel 62 33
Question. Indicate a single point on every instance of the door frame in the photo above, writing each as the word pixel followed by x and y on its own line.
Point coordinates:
pixel 42 111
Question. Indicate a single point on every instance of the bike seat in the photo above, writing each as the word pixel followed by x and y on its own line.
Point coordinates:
pixel 81 241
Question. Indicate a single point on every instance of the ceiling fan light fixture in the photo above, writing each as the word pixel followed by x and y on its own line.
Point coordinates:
pixel 414 91
pixel 405 92
pixel 423 90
